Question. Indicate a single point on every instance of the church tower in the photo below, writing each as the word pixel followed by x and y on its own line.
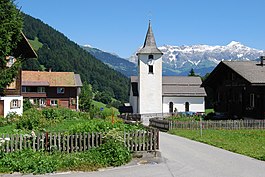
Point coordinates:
pixel 150 76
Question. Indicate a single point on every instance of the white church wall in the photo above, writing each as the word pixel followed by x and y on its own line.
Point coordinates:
pixel 196 104
pixel 150 85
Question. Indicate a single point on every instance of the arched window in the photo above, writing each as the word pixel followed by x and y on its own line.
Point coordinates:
pixel 187 107
pixel 171 107
pixel 150 56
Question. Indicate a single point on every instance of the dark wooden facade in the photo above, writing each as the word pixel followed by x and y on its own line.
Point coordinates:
pixel 235 95
pixel 67 99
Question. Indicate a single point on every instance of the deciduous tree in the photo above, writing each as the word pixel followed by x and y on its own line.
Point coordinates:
pixel 10 31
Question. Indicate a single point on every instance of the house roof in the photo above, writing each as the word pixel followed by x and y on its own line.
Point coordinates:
pixel 177 86
pixel 249 70
pixel 52 79
pixel 149 43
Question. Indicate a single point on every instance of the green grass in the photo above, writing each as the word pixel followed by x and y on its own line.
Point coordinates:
pixel 246 142
pixel 108 110
pixel 65 125
pixel 36 44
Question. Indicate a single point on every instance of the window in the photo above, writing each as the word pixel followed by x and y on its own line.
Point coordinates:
pixel 150 56
pixel 187 107
pixel 15 104
pixel 54 102
pixel 24 89
pixel 41 89
pixel 42 102
pixel 171 107
pixel 252 100
pixel 27 89
pixel 60 90
pixel 151 69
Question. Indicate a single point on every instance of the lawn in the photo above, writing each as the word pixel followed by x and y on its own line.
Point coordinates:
pixel 246 142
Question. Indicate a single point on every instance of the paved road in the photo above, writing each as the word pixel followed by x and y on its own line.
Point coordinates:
pixel 186 158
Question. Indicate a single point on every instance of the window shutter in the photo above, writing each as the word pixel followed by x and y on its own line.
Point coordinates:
pixel 48 102
pixel 19 103
pixel 11 104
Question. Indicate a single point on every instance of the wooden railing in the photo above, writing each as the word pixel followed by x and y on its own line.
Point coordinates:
pixel 164 124
pixel 144 140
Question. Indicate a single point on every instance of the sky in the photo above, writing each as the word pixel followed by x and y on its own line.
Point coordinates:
pixel 120 26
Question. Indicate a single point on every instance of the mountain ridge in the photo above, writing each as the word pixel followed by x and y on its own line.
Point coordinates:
pixel 202 58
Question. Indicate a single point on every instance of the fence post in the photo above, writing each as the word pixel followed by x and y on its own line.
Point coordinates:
pixel 201 126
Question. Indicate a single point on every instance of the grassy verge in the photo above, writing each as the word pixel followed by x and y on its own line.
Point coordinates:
pixel 246 142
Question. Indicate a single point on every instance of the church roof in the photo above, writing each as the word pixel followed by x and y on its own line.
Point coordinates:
pixel 149 43
pixel 177 86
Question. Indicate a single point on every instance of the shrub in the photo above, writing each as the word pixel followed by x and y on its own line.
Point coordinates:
pixel 27 105
pixel 31 119
pixel 115 153
pixel 28 161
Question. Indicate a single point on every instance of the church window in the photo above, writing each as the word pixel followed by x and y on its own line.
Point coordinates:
pixel 151 69
pixel 187 107
pixel 150 56
pixel 171 107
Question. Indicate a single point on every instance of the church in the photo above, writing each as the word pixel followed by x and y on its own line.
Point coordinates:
pixel 152 93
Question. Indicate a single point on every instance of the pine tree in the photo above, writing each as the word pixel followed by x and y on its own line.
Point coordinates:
pixel 192 73
pixel 10 31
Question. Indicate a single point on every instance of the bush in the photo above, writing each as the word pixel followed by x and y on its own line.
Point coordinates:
pixel 28 161
pixel 115 153
pixel 27 105
pixel 32 120
pixel 9 119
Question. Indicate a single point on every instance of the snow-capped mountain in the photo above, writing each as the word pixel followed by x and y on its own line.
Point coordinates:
pixel 202 58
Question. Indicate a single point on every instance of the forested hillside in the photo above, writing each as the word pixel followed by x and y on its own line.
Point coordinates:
pixel 57 52
pixel 114 61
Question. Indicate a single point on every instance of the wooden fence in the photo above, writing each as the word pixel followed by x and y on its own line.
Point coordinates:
pixel 144 140
pixel 164 124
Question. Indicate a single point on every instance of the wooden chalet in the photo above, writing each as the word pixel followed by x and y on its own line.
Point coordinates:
pixel 238 88
pixel 47 89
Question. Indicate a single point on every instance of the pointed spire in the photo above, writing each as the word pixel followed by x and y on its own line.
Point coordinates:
pixel 149 43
